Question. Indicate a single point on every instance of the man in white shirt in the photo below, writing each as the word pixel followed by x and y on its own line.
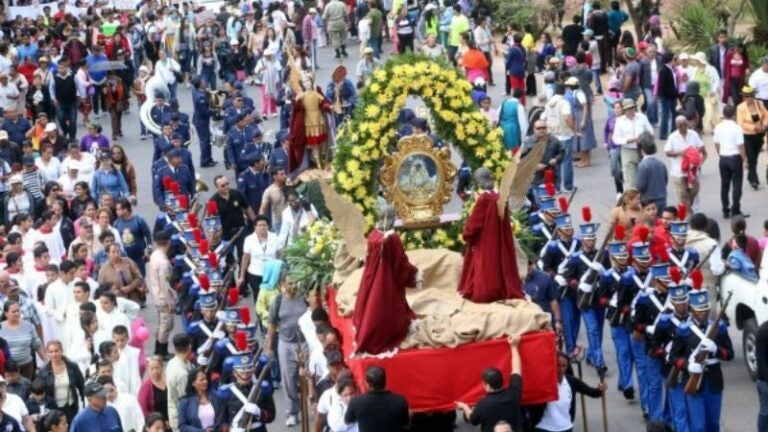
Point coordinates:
pixel 729 143
pixel 298 215
pixel 51 237
pixel 59 295
pixel 626 132
pixel 687 186
pixel 85 162
pixel 703 244
pixel 759 81
pixel 9 93
pixel 13 406
pixel 557 114
pixel 35 275
pixel 176 376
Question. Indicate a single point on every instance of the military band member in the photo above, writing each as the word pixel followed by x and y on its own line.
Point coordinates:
pixel 543 226
pixel 685 258
pixel 704 405
pixel 557 262
pixel 208 328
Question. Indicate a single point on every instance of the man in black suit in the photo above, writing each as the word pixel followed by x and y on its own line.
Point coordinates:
pixel 667 94
pixel 717 52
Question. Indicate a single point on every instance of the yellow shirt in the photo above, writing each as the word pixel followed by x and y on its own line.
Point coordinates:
pixel 459 25
pixel 528 42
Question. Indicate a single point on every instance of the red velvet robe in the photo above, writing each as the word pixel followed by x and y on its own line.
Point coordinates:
pixel 382 315
pixel 490 266
pixel 296 132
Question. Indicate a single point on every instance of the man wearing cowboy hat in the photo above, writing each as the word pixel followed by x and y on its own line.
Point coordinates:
pixel 626 133
pixel 366 66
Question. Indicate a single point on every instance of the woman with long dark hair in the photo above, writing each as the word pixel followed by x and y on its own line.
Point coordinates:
pixel 121 162
pixel 197 411
pixel 21 337
pixel 64 383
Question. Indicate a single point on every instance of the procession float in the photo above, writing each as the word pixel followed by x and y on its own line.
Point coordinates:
pixel 440 279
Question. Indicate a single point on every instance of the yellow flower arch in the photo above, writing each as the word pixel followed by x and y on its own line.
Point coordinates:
pixel 365 138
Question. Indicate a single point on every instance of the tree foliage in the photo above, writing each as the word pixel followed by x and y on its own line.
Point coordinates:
pixel 696 25
pixel 760 10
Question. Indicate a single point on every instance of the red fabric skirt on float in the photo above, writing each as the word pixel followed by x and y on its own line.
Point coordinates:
pixel 433 379
pixel 316 140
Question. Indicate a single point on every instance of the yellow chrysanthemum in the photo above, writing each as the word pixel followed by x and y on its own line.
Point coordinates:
pixel 374 87
pixel 360 192
pixel 353 165
pixel 372 111
pixel 380 74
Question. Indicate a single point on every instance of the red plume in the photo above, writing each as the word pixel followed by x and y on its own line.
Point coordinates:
pixel 619 233
pixel 233 296
pixel 197 235
pixel 202 245
pixel 550 188
pixel 641 232
pixel 245 315
pixel 586 214
pixel 183 202
pixel 697 279
pixel 674 274
pixel 205 283
pixel 682 211
pixel 167 181
pixel 241 340
pixel 660 253
pixel 212 208
pixel 213 259
pixel 563 201
pixel 549 176
pixel 192 219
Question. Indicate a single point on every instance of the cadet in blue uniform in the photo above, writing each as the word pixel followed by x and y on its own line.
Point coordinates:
pixel 585 271
pixel 278 158
pixel 178 126
pixel 659 347
pixel 705 405
pixel 257 145
pixel 162 141
pixel 234 398
pixel 557 262
pixel 254 180
pixel 617 300
pixel 634 282
pixel 232 114
pixel 208 328
pixel 177 172
pixel 645 316
pixel 202 121
pixel 162 162
pixel 543 226
pixel 237 138
pixel 685 258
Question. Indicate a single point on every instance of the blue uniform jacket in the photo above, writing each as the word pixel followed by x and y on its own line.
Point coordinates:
pixel 181 176
pixel 89 420
pixel 685 343
pixel 160 143
pixel 236 141
pixel 252 184
pixel 203 111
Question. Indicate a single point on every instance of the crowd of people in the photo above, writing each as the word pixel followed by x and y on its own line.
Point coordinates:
pixel 80 264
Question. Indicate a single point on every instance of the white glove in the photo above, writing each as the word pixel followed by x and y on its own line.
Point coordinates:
pixel 650 329
pixel 202 360
pixel 585 287
pixel 252 408
pixel 560 281
pixel 596 266
pixel 709 345
pixel 219 334
pixel 695 368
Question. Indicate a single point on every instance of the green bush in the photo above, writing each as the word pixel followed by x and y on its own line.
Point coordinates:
pixel 518 12
pixel 697 24
pixel 760 10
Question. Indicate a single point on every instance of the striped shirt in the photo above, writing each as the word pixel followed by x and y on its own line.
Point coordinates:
pixel 33 182
pixel 22 341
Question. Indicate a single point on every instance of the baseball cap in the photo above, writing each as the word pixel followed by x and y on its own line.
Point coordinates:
pixel 51 127
pixel 94 389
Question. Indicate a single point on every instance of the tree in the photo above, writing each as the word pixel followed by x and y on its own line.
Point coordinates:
pixel 760 9
pixel 640 11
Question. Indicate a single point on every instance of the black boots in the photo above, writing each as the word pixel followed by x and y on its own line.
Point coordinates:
pixel 161 350
pixel 344 51
pixel 338 53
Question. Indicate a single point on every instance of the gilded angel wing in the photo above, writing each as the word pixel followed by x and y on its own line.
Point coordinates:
pixel 506 184
pixel 348 218
pixel 526 169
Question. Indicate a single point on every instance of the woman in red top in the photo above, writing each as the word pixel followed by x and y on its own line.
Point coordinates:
pixel 736 71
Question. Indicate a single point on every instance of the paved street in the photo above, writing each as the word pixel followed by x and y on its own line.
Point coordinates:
pixel 595 188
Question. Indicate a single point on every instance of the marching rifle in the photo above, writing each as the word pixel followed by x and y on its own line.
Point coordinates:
pixel 245 420
pixel 694 380
pixel 232 297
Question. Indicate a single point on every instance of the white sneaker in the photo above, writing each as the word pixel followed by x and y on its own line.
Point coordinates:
pixel 291 421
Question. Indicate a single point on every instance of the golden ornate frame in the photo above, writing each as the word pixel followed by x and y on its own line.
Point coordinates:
pixel 418 197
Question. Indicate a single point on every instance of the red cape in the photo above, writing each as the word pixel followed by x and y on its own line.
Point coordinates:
pixel 490 266
pixel 382 314
pixel 296 135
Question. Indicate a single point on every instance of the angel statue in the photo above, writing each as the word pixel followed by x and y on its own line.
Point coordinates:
pixel 308 125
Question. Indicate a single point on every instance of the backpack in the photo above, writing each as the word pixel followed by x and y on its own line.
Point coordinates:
pixel 691 164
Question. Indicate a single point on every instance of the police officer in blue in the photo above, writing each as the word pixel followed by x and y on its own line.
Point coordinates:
pixel 617 300
pixel 162 162
pixel 685 258
pixel 238 89
pixel 178 126
pixel 202 121
pixel 254 180
pixel 162 141
pixel 659 347
pixel 237 138
pixel 585 269
pixel 178 173
pixel 257 145
pixel 647 312
pixel 278 157
pixel 232 114
pixel 159 110
pixel 687 351
pixel 635 282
